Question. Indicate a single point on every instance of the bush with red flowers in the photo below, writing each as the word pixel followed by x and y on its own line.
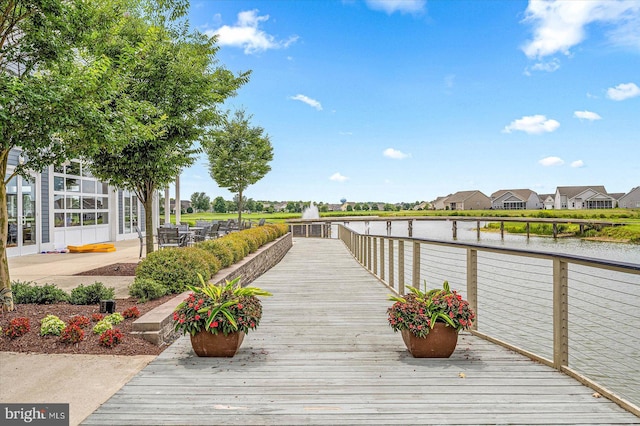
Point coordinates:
pixel 132 312
pixel 72 334
pixel 111 337
pixel 97 317
pixel 18 327
pixel 79 320
pixel 418 311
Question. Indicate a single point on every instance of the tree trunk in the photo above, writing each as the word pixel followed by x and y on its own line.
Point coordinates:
pixel 146 198
pixel 6 303
pixel 240 209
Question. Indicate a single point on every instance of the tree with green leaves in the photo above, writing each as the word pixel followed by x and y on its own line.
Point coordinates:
pixel 239 155
pixel 219 205
pixel 177 76
pixel 200 201
pixel 52 94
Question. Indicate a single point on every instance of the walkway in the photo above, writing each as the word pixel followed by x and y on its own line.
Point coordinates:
pixel 324 354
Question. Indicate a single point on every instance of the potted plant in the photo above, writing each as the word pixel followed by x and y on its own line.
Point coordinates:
pixel 430 321
pixel 217 316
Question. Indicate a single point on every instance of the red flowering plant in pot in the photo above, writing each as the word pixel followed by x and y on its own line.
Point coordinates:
pixel 430 321
pixel 217 316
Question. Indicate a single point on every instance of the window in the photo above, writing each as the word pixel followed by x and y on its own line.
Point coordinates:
pixel 78 198
pixel 130 206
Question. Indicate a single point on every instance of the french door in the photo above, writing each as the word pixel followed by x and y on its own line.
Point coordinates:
pixel 22 236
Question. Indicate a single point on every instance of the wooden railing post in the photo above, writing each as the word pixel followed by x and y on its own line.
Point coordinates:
pixel 382 265
pixel 391 271
pixel 560 314
pixel 375 256
pixel 472 283
pixel 401 267
pixel 415 273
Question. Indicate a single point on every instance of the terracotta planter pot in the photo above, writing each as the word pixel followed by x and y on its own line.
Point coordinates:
pixel 208 344
pixel 439 343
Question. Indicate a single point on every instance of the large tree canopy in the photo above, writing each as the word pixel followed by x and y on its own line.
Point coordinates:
pixel 175 74
pixel 239 155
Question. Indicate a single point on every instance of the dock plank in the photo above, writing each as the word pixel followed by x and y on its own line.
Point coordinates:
pixel 324 354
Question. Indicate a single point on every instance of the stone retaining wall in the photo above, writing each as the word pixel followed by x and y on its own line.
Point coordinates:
pixel 156 326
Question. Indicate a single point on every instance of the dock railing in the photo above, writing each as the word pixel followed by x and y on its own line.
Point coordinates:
pixel 576 314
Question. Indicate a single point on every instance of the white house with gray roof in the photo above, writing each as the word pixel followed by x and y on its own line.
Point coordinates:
pixel 583 197
pixel 515 199
pixel 630 200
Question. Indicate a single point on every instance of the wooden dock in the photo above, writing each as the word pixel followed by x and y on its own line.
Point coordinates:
pixel 324 354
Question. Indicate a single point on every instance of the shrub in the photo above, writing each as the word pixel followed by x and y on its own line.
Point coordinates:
pixel 236 247
pixel 221 251
pixel 80 320
pixel 18 327
pixel 96 317
pixel 110 338
pixel 30 292
pixel 51 325
pixel 132 312
pixel 72 334
pixel 114 319
pixel 90 294
pixel 146 289
pixel 175 268
pixel 102 326
pixel 240 242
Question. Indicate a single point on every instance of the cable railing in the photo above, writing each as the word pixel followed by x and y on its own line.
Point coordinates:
pixel 576 314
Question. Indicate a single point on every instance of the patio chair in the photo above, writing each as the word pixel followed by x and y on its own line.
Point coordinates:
pixel 212 232
pixel 169 237
pixel 261 222
pixel 200 234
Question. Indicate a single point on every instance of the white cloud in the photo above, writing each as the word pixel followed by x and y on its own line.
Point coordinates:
pixel 337 177
pixel 246 34
pixel 577 164
pixel 560 25
pixel 551 161
pixel 307 100
pixel 549 66
pixel 395 154
pixel 402 6
pixel 587 115
pixel 533 124
pixel 623 91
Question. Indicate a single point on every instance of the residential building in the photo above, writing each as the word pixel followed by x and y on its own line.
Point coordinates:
pixel 547 201
pixel 515 199
pixel 630 200
pixel 583 197
pixel 438 203
pixel 66 205
pixel 467 200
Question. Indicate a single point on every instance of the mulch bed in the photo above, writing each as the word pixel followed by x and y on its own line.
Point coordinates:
pixel 33 342
pixel 116 269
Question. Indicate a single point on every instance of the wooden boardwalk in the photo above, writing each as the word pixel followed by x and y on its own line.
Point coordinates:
pixel 324 354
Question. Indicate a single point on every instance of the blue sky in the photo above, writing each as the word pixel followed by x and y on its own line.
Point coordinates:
pixel 407 100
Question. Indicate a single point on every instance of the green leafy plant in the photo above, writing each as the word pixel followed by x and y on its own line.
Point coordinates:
pixel 111 338
pixel 176 268
pixel 215 308
pixel 102 326
pixel 91 294
pixel 51 325
pixel 418 311
pixel 146 289
pixel 18 327
pixel 72 334
pixel 30 292
pixel 114 319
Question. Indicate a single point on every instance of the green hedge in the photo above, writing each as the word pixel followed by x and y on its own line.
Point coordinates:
pixel 175 268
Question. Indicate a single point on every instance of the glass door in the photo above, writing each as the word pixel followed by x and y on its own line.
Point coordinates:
pixel 21 204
